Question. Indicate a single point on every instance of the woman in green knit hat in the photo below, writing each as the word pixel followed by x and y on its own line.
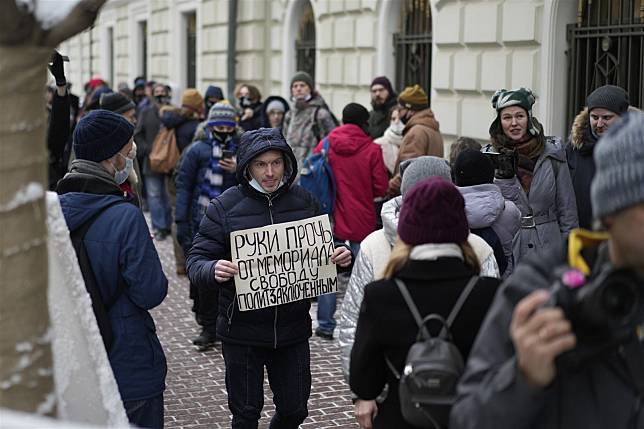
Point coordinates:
pixel 531 171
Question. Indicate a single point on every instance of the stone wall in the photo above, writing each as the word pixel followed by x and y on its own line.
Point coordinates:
pixel 478 46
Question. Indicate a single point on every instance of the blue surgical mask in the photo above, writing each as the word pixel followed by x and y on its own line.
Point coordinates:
pixel 255 184
pixel 120 176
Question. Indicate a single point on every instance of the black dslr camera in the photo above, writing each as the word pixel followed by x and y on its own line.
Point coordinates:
pixel 604 312
pixel 505 164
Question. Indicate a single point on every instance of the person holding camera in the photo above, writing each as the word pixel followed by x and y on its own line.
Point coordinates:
pixel 562 347
pixel 206 170
pixel 531 171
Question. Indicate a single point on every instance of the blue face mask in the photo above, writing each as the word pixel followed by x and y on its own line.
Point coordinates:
pixel 255 184
pixel 120 176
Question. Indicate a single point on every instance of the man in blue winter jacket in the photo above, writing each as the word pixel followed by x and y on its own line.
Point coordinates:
pixel 275 337
pixel 124 262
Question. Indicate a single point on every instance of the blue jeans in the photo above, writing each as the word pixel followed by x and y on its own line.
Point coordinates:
pixel 158 201
pixel 327 303
pixel 146 413
pixel 289 375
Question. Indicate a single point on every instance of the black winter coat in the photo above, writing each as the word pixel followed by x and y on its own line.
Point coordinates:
pixel 579 153
pixel 379 117
pixel 58 132
pixel 387 328
pixel 147 128
pixel 239 208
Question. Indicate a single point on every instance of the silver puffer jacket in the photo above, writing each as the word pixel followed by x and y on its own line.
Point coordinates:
pixel 370 264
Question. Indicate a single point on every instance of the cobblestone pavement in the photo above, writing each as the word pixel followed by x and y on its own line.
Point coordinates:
pixel 196 394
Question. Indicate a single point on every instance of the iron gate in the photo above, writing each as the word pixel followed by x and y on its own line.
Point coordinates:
pixel 305 44
pixel 606 46
pixel 413 45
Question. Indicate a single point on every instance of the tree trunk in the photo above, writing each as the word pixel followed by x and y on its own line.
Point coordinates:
pixel 26 381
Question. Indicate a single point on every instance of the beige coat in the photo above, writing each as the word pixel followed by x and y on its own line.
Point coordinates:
pixel 420 137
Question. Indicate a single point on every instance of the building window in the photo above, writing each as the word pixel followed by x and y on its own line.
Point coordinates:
pixel 110 56
pixel 191 49
pixel 606 46
pixel 413 45
pixel 305 43
pixel 143 48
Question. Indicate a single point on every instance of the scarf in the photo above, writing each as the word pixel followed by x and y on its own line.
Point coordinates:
pixel 528 152
pixel 211 186
pixel 432 251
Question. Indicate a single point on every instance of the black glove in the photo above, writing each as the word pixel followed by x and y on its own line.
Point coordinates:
pixel 506 165
pixel 56 68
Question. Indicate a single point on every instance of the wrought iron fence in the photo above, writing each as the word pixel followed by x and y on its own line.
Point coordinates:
pixel 413 45
pixel 606 46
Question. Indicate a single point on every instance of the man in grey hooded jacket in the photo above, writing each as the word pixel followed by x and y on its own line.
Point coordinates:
pixel 512 379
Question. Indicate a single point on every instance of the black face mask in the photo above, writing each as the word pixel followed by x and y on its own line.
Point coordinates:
pixel 245 102
pixel 221 135
pixel 209 104
pixel 162 99
pixel 405 119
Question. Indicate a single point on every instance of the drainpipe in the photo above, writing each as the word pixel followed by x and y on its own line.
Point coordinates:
pixel 232 46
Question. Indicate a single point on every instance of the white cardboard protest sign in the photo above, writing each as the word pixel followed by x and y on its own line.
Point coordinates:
pixel 284 262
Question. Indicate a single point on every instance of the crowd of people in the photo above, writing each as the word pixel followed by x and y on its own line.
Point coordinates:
pixel 473 239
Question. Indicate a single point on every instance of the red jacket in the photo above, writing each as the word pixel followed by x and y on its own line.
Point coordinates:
pixel 360 176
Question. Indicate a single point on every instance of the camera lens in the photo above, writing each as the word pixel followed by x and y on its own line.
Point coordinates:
pixel 619 300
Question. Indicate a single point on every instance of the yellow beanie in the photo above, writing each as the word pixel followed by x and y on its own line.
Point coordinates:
pixel 192 99
pixel 413 97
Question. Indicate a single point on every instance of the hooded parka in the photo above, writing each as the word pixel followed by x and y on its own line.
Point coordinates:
pixel 360 177
pixel 485 207
pixel 119 244
pixel 243 207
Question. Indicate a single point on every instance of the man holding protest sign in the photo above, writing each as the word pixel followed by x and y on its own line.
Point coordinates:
pixel 263 245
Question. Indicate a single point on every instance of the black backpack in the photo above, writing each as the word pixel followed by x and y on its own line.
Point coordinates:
pixel 494 241
pixel 99 307
pixel 433 367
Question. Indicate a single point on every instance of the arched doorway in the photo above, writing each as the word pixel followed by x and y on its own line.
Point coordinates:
pixel 413 45
pixel 305 42
pixel 606 47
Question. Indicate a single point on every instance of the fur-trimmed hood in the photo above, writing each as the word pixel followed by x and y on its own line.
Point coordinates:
pixel 581 125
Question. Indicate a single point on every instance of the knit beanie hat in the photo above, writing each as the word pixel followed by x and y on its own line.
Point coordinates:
pixel 417 169
pixel 275 105
pixel 214 91
pixel 609 97
pixel 139 83
pixel 302 76
pixel 433 212
pixel 99 93
pixel 116 102
pixel 382 80
pixel 472 168
pixel 354 113
pixel 192 100
pixel 619 157
pixel 222 114
pixel 522 97
pixel 100 134
pixel 414 98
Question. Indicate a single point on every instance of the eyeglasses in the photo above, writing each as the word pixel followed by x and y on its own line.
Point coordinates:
pixel 263 165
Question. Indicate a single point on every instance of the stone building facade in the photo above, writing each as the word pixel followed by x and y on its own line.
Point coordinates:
pixel 477 46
